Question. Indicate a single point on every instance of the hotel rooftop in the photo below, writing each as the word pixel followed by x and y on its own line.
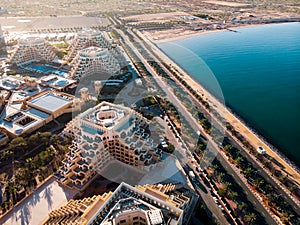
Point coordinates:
pixel 57 82
pixel 49 102
pixel 103 135
pixel 159 204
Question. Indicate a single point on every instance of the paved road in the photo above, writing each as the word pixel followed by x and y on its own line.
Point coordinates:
pixel 210 203
pixel 250 195
pixel 266 174
pixel 194 123
pixel 286 195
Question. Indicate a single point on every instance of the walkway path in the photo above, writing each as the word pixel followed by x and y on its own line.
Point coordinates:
pixel 250 135
pixel 34 208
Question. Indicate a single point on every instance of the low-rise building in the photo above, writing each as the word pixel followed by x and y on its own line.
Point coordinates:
pixel 26 113
pixel 161 204
pixel 57 82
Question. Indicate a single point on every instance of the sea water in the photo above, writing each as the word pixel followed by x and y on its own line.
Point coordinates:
pixel 257 70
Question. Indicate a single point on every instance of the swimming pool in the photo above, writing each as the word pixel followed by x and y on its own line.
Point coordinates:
pixel 45 69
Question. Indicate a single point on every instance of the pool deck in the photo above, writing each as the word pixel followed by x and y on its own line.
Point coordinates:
pixel 34 209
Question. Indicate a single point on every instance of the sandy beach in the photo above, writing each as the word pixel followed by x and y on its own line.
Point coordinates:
pixel 174 35
pixel 157 37
pixel 239 125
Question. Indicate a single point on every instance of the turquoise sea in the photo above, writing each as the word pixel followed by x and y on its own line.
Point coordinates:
pixel 258 70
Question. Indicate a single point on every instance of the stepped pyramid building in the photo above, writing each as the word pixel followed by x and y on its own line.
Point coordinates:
pixel 160 204
pixel 3 50
pixel 91 53
pixel 85 39
pixel 33 48
pixel 103 135
pixel 93 60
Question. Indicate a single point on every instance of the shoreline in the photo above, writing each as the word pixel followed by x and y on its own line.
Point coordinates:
pixel 252 135
pixel 172 36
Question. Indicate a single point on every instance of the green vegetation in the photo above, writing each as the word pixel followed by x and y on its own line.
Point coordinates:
pixel 204 16
pixel 61 49
pixel 61 45
pixel 61 54
pixel 11 72
pixel 270 195
pixel 149 101
pixel 231 193
pixel 29 160
pixel 170 149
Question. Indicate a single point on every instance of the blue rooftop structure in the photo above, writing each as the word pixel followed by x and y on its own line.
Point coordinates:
pixel 38 113
pixel 49 102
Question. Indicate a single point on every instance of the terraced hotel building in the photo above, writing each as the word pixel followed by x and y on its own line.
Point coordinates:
pixel 93 60
pixel 33 48
pixel 103 135
pixel 159 204
pixel 85 39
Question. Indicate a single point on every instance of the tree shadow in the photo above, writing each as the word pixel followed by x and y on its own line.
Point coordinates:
pixel 34 199
pixel 25 215
pixel 48 196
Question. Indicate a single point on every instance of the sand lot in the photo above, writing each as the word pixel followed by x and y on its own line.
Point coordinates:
pixel 19 24
pixel 231 4
pixel 35 208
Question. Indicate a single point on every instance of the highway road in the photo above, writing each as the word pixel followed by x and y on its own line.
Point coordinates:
pixel 194 123
pixel 266 174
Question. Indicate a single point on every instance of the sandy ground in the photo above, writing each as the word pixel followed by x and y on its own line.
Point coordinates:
pixel 223 3
pixel 25 24
pixel 35 208
pixel 155 16
pixel 253 138
pixel 174 35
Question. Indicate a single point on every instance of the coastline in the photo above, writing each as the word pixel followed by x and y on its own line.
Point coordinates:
pixel 180 34
pixel 239 124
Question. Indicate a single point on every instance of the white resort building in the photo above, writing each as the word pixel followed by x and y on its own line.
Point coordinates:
pixel 87 38
pixel 94 60
pixel 23 114
pixel 161 204
pixel 103 135
pixel 32 48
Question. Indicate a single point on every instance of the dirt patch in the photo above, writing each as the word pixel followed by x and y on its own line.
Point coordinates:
pixel 231 4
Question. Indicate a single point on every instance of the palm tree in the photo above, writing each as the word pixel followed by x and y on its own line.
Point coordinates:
pixel 227 185
pixel 286 217
pixel 271 198
pixel 234 195
pixel 220 177
pixel 292 188
pixel 239 161
pixel 247 172
pixel 258 182
pixel 242 207
pixel 250 218
pixel 269 187
pixel 214 168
